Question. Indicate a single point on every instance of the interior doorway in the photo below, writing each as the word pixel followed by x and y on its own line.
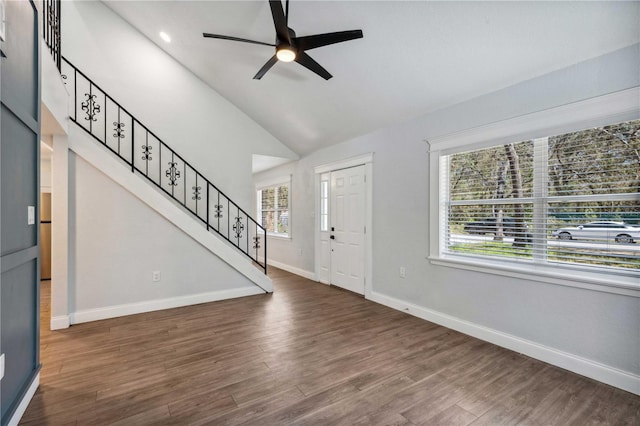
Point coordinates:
pixel 46 168
pixel 343 242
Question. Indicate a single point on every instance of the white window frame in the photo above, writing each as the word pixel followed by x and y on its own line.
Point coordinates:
pixel 604 110
pixel 273 183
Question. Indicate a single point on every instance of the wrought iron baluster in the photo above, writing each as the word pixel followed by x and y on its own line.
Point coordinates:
pixel 256 242
pixel 59 24
pixel 198 195
pixel 133 145
pixel 105 118
pixel 88 104
pixel 120 135
pixel 75 94
pixel 147 153
pixel 173 174
pixel 238 227
pixel 49 28
pixel 208 206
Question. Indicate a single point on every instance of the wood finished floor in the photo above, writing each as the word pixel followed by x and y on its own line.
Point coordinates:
pixel 307 355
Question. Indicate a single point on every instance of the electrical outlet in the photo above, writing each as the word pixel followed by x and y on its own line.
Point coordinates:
pixel 155 276
pixel 1 366
pixel 403 272
pixel 31 215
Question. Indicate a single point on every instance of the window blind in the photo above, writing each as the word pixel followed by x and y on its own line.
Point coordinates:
pixel 572 199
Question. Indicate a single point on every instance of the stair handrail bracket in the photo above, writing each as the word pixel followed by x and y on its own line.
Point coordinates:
pixel 113 126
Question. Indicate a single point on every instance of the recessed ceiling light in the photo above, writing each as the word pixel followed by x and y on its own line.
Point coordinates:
pixel 165 36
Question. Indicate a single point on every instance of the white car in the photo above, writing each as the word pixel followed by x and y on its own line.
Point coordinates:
pixel 619 232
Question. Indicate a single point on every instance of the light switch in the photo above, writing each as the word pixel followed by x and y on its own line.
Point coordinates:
pixel 31 215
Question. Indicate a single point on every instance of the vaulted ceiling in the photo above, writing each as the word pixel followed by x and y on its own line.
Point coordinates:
pixel 415 57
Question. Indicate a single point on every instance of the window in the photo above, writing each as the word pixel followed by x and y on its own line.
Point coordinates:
pixel 273 209
pixel 324 205
pixel 572 199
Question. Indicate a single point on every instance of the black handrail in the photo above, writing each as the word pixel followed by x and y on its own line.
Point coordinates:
pixel 98 108
pixel 51 28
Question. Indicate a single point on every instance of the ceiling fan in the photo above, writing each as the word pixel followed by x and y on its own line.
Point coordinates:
pixel 291 48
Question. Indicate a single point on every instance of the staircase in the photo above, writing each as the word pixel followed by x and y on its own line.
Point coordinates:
pixel 147 156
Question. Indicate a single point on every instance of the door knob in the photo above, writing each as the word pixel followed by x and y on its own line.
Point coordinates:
pixel 333 237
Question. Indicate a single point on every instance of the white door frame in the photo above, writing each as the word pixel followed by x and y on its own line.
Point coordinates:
pixel 362 160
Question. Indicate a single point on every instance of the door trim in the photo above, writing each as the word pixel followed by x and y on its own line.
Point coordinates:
pixel 361 160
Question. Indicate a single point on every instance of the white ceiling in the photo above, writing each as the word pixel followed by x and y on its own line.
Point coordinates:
pixel 415 57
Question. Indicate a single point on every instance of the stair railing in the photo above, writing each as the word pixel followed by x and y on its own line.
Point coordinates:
pixel 132 142
pixel 51 28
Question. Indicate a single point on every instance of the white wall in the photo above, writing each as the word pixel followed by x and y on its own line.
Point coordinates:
pixel 596 326
pixel 116 241
pixel 208 131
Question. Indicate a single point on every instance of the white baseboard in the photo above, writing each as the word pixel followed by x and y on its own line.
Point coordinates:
pixel 621 379
pixel 298 271
pixel 160 304
pixel 59 322
pixel 22 407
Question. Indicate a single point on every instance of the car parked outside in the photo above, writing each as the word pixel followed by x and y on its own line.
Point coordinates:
pixel 489 226
pixel 619 232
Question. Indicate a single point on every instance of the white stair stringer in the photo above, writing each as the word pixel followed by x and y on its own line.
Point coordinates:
pixel 99 157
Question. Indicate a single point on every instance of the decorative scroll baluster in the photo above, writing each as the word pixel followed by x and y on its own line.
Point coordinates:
pixel 172 173
pixel 118 129
pixel 238 227
pixel 146 152
pixel 90 107
pixel 218 214
pixel 196 194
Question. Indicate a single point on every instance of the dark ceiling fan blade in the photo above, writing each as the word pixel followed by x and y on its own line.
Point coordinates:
pixel 244 40
pixel 266 67
pixel 279 21
pixel 319 40
pixel 310 64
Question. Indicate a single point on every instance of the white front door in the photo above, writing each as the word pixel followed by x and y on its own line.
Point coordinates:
pixel 347 228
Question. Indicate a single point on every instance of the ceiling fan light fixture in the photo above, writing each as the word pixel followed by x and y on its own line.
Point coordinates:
pixel 286 54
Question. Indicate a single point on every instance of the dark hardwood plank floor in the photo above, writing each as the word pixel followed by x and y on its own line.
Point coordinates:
pixel 307 355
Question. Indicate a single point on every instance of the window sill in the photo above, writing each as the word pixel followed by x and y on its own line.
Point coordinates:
pixel 279 236
pixel 566 275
